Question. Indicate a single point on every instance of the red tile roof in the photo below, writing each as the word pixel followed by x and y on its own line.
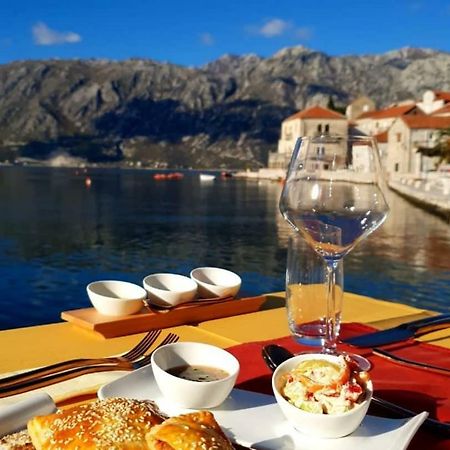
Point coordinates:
pixel 443 110
pixel 442 95
pixel 382 137
pixel 427 122
pixel 394 111
pixel 316 112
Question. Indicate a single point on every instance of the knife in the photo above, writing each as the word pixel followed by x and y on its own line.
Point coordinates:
pixel 401 332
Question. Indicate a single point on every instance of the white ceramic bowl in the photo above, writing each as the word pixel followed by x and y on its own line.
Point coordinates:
pixel 318 425
pixel 194 394
pixel 168 289
pixel 216 282
pixel 116 298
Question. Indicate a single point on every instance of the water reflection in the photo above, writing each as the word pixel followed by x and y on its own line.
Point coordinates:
pixel 57 234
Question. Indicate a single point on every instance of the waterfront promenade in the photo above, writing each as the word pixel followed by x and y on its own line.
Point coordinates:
pixel 429 190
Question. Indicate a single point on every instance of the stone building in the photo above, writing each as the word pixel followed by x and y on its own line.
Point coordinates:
pixel 311 121
pixel 376 122
pixel 406 136
pixel 432 101
pixel 358 107
pixel 400 129
pixel 444 111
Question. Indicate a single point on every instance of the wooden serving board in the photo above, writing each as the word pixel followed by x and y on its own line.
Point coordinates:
pixel 145 320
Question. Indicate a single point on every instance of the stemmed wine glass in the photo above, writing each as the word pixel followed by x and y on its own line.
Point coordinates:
pixel 333 196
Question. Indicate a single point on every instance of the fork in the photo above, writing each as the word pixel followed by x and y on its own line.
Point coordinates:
pixel 132 355
pixel 73 373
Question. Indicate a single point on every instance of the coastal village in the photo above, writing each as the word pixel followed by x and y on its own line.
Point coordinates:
pixel 409 136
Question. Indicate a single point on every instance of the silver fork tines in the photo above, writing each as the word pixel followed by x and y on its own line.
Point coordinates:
pixel 169 339
pixel 142 346
pixel 40 382
pixel 132 355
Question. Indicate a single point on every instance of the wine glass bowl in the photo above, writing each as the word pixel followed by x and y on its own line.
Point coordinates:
pixel 333 197
pixel 333 194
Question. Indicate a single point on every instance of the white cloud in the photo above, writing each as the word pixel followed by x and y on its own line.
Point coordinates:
pixel 274 27
pixel 207 39
pixel 43 35
pixel 278 27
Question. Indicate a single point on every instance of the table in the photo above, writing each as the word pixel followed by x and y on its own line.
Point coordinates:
pixel 24 348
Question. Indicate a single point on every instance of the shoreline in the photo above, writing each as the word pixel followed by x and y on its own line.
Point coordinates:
pixel 423 199
pixel 419 190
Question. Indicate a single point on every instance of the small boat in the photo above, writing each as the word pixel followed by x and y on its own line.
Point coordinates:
pixel 175 176
pixel 168 176
pixel 207 177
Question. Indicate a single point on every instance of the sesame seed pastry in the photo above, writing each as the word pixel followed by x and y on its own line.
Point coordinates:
pixel 111 424
pixel 194 431
pixel 16 441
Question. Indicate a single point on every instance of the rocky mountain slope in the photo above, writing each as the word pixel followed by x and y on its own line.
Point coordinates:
pixel 225 114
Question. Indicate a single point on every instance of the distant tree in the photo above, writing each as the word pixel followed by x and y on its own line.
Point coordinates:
pixel 330 104
pixel 445 145
pixel 333 107
pixel 441 149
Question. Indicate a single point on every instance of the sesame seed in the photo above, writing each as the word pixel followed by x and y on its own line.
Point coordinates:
pixel 104 424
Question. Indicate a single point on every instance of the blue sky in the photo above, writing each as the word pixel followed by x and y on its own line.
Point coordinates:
pixel 194 32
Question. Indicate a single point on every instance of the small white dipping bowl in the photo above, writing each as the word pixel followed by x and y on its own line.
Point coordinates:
pixel 116 298
pixel 318 425
pixel 194 394
pixel 168 289
pixel 216 282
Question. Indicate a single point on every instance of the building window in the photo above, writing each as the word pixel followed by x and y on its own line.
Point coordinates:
pixel 319 128
pixel 288 133
pixel 320 151
pixel 399 137
pixel 327 128
pixel 396 167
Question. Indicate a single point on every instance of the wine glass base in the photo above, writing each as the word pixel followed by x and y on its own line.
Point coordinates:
pixel 316 345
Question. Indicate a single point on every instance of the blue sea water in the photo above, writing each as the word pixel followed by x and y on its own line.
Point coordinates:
pixel 57 234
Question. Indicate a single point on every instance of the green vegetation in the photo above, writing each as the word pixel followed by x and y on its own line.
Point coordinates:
pixel 441 149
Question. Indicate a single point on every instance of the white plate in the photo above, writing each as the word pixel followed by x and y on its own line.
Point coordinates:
pixel 255 420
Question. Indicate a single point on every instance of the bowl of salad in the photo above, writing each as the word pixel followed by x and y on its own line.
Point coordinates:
pixel 322 395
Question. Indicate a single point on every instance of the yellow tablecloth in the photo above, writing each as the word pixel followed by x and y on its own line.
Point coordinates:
pixel 24 348
pixel 31 347
pixel 270 324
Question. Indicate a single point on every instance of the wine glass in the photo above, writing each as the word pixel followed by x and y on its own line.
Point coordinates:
pixel 306 289
pixel 333 197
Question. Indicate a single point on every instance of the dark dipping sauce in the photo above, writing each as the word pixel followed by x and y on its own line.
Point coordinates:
pixel 198 373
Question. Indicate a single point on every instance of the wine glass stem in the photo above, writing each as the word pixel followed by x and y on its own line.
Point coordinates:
pixel 329 345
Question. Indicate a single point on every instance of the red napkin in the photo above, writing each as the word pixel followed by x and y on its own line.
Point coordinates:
pixel 416 389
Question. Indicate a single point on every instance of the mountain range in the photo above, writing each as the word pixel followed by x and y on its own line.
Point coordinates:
pixel 226 114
